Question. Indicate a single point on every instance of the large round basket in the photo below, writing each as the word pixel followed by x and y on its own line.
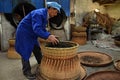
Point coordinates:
pixel 60 63
pixel 93 58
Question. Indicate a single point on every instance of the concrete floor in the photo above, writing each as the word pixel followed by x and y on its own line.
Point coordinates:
pixel 10 69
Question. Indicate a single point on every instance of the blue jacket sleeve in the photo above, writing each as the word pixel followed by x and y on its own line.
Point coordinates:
pixel 39 26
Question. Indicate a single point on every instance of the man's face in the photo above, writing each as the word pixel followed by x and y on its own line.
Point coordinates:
pixel 53 12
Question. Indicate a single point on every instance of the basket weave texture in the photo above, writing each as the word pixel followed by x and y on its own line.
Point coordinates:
pixel 60 63
pixel 78 28
pixel 79 34
pixel 11 42
pixel 117 43
pixel 79 40
pixel 11 50
pixel 61 52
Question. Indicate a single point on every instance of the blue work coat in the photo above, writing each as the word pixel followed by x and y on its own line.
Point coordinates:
pixel 29 29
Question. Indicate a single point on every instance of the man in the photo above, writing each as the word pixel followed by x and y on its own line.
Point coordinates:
pixel 29 29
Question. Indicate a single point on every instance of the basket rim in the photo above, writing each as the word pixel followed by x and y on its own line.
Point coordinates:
pixel 76 46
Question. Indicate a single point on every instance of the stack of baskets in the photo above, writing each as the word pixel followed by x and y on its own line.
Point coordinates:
pixel 79 34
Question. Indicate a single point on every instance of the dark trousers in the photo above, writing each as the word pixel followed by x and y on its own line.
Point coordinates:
pixel 26 64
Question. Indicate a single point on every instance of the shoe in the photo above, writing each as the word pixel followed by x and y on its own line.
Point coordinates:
pixel 30 76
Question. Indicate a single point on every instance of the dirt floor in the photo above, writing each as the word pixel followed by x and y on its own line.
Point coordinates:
pixel 10 69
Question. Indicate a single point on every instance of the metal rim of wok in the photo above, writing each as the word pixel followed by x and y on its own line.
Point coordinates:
pixel 105 58
pixel 21 10
pixel 103 75
pixel 58 21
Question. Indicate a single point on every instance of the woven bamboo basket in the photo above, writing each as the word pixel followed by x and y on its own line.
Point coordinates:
pixel 61 52
pixel 78 28
pixel 79 34
pixel 11 50
pixel 11 42
pixel 13 54
pixel 60 63
pixel 79 40
pixel 79 37
pixel 117 43
pixel 42 42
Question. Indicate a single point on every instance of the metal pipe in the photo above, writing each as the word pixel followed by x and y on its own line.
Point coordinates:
pixel 0 32
pixel 45 3
pixel 23 10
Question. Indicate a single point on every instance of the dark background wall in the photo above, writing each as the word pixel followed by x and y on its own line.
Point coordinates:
pixel 6 6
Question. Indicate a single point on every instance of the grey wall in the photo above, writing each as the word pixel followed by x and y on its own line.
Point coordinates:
pixel 0 31
pixel 6 34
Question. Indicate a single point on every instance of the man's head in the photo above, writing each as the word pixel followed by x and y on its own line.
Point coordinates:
pixel 53 8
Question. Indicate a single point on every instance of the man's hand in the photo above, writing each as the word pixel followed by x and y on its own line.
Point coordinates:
pixel 53 39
